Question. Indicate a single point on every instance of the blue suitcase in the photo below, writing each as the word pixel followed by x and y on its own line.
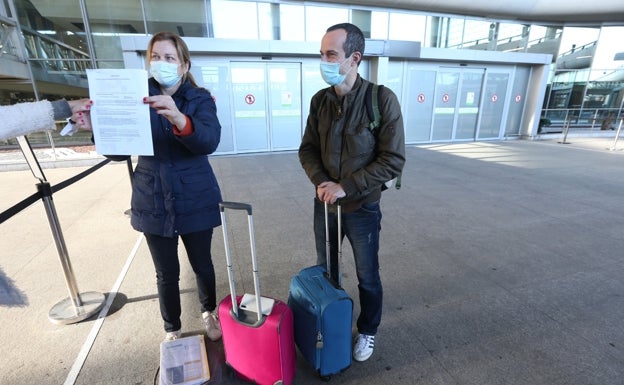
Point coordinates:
pixel 323 314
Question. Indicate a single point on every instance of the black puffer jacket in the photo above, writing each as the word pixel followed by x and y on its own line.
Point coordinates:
pixel 176 191
pixel 338 145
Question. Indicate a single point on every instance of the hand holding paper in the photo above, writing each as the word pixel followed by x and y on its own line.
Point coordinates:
pixel 165 106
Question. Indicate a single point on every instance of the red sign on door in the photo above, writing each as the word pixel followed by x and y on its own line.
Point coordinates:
pixel 250 99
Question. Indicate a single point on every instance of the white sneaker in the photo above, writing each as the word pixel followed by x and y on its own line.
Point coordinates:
pixel 363 348
pixel 211 323
pixel 170 336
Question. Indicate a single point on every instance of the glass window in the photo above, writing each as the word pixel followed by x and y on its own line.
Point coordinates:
pixel 577 48
pixel 379 25
pixel 108 21
pixel 318 19
pixel 184 17
pixel 508 32
pixel 234 19
pixel 265 22
pixel 292 26
pixel 511 37
pixel 362 19
pixel 5 10
pixel 405 26
pixel 451 33
pixel 434 34
pixel 477 34
pixel 607 64
pixel 46 38
pixel 544 40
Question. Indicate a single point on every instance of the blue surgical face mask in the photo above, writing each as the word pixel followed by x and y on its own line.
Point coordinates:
pixel 166 74
pixel 331 73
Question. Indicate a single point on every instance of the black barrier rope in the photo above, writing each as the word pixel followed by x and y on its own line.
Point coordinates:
pixel 11 211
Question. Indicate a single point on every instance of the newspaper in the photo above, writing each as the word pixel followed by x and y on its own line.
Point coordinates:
pixel 184 361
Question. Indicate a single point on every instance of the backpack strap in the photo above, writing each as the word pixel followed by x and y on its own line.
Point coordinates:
pixel 372 106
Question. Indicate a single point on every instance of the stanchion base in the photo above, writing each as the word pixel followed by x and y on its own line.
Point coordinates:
pixel 65 313
pixel 564 142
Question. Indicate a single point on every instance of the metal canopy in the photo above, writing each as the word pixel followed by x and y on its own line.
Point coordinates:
pixel 547 11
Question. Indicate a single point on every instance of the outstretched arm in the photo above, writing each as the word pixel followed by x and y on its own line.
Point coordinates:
pixel 24 118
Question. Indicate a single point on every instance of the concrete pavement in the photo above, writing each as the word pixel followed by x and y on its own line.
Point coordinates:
pixel 501 262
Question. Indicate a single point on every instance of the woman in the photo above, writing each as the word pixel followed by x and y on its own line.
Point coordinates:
pixel 24 118
pixel 175 193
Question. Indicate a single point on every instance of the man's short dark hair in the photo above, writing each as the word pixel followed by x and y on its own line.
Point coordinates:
pixel 355 38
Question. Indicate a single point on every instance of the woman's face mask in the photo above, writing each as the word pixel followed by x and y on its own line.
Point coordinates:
pixel 331 72
pixel 166 74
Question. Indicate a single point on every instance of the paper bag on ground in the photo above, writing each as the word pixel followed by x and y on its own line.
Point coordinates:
pixel 184 361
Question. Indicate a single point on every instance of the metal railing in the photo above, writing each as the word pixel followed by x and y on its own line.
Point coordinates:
pixel 581 119
pixel 53 55
pixel 8 46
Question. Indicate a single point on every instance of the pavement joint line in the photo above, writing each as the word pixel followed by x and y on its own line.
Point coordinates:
pixel 86 347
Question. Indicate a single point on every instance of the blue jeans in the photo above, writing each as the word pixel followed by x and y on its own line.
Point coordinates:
pixel 362 228
pixel 165 256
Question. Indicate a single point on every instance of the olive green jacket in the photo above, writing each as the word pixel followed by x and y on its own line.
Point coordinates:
pixel 339 146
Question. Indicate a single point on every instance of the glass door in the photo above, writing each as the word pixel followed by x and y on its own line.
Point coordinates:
pixel 249 102
pixel 456 104
pixel 445 100
pixel 467 112
pixel 284 105
pixel 494 106
pixel 418 104
pixel 267 106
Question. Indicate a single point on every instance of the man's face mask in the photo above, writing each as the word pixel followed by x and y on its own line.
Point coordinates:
pixel 331 72
pixel 166 74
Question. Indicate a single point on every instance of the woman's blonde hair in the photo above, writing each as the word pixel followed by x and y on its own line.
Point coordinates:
pixel 183 52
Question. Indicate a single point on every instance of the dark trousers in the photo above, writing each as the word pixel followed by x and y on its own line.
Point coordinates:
pixel 362 228
pixel 165 256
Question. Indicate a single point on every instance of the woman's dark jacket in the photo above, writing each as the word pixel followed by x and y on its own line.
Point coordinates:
pixel 175 191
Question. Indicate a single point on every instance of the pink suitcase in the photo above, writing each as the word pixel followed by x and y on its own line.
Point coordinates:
pixel 259 344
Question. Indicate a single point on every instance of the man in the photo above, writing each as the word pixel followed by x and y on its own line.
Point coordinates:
pixel 346 159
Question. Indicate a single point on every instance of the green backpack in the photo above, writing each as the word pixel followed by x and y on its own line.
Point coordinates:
pixel 372 108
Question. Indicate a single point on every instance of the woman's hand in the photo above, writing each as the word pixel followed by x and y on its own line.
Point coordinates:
pixel 80 113
pixel 165 106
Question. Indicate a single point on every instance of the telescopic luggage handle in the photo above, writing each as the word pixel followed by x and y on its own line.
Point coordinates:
pixel 228 257
pixel 327 243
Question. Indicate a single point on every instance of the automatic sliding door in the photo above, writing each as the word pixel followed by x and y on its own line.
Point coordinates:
pixel 496 85
pixel 419 104
pixel 267 106
pixel 456 105
pixel 468 111
pixel 447 82
pixel 285 105
pixel 249 102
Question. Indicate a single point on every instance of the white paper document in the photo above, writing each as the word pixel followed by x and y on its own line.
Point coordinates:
pixel 120 119
pixel 184 361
